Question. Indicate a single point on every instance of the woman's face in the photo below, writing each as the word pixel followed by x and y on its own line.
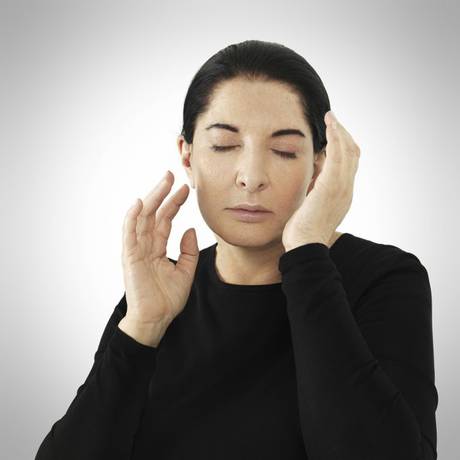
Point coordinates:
pixel 251 171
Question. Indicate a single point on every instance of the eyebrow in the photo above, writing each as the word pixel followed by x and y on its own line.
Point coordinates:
pixel 280 132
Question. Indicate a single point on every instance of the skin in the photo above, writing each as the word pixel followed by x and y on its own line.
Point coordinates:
pixel 248 253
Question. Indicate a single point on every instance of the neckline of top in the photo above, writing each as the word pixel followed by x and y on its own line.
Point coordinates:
pixel 335 249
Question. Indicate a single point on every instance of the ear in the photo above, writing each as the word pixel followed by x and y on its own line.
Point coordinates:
pixel 185 151
pixel 318 163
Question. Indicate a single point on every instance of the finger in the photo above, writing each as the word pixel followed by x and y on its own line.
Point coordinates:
pixel 189 253
pixel 348 142
pixel 333 167
pixel 169 210
pixel 334 143
pixel 146 219
pixel 166 214
pixel 351 151
pixel 348 152
pixel 129 236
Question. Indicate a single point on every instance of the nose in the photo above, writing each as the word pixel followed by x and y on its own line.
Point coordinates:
pixel 251 184
pixel 252 176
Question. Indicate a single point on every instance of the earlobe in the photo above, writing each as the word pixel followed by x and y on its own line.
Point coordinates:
pixel 188 162
pixel 189 171
pixel 185 151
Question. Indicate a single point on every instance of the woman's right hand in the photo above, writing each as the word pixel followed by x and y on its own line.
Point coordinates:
pixel 156 288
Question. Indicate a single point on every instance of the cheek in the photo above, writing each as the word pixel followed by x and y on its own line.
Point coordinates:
pixel 210 173
pixel 210 182
pixel 210 190
pixel 295 194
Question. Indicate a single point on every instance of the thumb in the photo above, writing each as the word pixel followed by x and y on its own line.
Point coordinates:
pixel 189 253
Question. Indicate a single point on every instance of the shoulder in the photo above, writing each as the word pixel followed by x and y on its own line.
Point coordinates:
pixel 378 256
pixel 365 263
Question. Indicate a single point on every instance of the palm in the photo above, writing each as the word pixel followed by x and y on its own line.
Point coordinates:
pixel 156 288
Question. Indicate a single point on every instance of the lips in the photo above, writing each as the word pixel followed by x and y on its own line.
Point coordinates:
pixel 247 210
pixel 250 207
pixel 250 216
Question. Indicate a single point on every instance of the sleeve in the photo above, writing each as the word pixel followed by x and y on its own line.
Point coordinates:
pixel 103 418
pixel 365 378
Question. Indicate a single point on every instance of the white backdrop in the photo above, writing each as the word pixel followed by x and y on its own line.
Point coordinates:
pixel 91 105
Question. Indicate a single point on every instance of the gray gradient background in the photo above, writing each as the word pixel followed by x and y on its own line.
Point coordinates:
pixel 91 104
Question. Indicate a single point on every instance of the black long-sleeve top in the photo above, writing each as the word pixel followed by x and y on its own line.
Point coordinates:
pixel 335 362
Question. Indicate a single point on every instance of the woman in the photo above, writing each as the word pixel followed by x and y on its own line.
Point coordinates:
pixel 284 340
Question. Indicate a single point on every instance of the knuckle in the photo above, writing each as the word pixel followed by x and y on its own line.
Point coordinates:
pixel 349 150
pixel 353 151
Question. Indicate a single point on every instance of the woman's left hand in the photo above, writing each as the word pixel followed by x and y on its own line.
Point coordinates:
pixel 327 203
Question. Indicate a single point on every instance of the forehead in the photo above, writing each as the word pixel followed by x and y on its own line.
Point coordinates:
pixel 255 104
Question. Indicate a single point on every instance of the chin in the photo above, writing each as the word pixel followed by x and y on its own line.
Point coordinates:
pixel 242 235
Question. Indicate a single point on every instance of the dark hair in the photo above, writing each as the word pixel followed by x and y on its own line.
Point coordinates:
pixel 255 59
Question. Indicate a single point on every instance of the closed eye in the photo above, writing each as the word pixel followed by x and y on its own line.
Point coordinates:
pixel 287 155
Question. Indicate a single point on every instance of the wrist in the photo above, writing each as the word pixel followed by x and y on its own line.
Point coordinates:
pixel 149 334
pixel 293 245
